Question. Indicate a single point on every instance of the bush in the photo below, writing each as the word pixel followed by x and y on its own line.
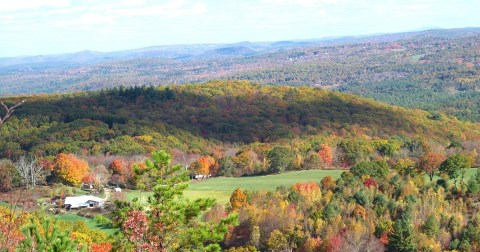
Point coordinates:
pixel 361 198
pixel 443 183
pixel 103 221
pixel 473 187
pixel 375 169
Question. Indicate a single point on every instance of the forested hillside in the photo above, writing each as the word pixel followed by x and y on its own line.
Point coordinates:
pixel 213 117
pixel 406 182
pixel 433 70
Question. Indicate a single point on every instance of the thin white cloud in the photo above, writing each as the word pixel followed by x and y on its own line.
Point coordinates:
pixel 27 26
pixel 87 20
pixel 132 3
pixel 175 8
pixel 15 5
pixel 109 14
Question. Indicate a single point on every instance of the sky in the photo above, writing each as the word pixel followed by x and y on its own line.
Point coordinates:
pixel 40 27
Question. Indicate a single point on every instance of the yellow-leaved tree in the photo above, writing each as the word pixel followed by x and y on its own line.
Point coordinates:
pixel 238 199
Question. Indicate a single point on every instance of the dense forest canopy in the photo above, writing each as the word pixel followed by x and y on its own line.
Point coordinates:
pixel 197 118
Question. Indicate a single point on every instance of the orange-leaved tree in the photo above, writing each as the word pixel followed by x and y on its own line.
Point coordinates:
pixel 70 169
pixel 101 247
pixel 203 166
pixel 326 153
pixel 430 163
pixel 310 191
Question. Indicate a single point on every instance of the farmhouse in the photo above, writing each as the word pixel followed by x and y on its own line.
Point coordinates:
pixel 83 201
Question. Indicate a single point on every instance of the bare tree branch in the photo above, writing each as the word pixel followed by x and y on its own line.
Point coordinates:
pixel 30 171
pixel 8 111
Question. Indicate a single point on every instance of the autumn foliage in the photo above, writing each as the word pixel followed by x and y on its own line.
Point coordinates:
pixel 136 227
pixel 431 162
pixel 123 171
pixel 90 179
pixel 326 154
pixel 102 247
pixel 370 182
pixel 205 165
pixel 10 228
pixel 309 190
pixel 238 199
pixel 70 169
pixel 327 183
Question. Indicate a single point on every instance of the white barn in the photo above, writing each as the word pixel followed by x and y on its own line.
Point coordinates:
pixel 83 201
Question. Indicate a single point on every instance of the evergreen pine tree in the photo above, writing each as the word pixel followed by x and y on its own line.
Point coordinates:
pixel 401 239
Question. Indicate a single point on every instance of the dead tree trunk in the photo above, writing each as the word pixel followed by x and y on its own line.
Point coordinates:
pixel 8 111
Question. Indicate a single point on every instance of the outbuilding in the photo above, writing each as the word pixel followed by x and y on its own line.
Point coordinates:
pixel 83 201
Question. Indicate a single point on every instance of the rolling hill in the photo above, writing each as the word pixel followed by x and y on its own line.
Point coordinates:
pixel 203 117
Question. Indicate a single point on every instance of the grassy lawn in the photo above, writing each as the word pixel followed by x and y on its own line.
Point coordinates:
pixel 72 217
pixel 268 182
pixel 221 188
pixel 468 174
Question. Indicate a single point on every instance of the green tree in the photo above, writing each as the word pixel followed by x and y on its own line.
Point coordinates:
pixel 226 167
pixel 472 186
pixel 375 169
pixel 49 239
pixel 455 166
pixel 171 222
pixel 401 238
pixel 281 159
pixel 477 176
pixel 351 152
pixel 431 226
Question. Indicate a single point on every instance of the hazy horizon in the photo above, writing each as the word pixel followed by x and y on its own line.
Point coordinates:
pixel 29 27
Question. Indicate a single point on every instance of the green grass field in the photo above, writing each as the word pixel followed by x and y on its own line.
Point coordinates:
pixel 221 188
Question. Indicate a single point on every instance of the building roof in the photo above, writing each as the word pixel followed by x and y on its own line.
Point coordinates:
pixel 81 200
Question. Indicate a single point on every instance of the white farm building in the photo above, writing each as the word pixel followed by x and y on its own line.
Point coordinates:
pixel 83 201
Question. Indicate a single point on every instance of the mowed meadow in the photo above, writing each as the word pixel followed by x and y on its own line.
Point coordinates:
pixel 221 188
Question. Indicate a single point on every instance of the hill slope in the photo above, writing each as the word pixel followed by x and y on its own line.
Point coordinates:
pixel 199 118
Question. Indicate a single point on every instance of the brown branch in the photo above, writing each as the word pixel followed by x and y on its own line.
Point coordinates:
pixel 8 111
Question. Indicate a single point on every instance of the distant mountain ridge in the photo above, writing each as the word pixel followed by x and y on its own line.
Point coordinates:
pixel 180 51
pixel 432 69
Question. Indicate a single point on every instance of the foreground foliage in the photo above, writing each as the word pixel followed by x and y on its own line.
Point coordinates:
pixel 363 210
pixel 168 222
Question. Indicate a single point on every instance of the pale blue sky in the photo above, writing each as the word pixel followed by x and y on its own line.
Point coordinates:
pixel 38 27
